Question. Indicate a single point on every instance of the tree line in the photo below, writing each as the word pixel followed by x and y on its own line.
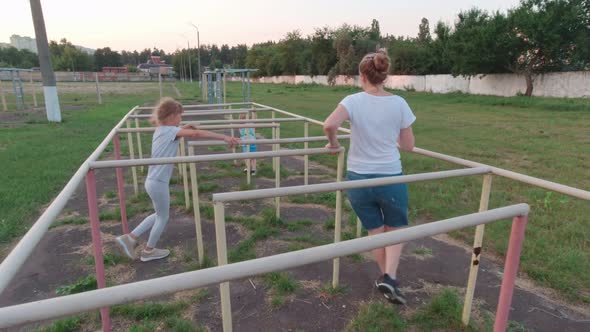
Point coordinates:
pixel 536 36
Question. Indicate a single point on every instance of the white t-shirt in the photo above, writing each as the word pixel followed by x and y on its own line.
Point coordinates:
pixel 376 122
pixel 164 144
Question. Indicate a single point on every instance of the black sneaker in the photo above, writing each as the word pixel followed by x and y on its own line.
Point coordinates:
pixel 390 289
pixel 253 172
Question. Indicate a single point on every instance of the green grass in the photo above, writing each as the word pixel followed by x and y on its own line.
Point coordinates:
pixel 327 199
pixel 70 324
pixel 376 317
pixel 70 221
pixel 280 283
pixel 149 310
pixel 81 285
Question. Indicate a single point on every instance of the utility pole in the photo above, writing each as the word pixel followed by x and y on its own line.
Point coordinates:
pixel 190 70
pixel 198 55
pixel 49 85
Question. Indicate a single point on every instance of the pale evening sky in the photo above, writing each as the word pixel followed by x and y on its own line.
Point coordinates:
pixel 135 25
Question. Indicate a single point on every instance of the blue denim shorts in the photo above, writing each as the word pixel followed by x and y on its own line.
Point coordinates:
pixel 378 206
pixel 252 148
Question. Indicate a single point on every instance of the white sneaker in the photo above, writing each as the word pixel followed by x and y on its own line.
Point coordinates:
pixel 153 254
pixel 127 244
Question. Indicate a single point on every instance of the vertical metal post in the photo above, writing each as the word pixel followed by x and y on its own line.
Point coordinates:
pixel 187 203
pixel 510 271
pixel 120 185
pixel 20 90
pixel 15 91
pixel 477 248
pixel 306 157
pixel 139 147
pixel 34 91
pixel 4 106
pixel 160 85
pixel 132 156
pixel 249 91
pixel 338 220
pixel 97 244
pixel 221 243
pixel 224 88
pixel 243 88
pixel 196 207
pixel 278 175
pixel 98 96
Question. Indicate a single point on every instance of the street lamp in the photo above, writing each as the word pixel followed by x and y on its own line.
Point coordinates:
pixel 198 54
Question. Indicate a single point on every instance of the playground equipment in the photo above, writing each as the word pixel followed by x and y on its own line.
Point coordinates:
pixel 214 87
pixel 14 76
pixel 222 274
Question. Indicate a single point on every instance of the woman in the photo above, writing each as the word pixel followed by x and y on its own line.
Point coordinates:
pixel 378 120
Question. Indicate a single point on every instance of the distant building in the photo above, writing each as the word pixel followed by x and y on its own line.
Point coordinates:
pixel 5 45
pixel 155 65
pixel 23 43
pixel 28 43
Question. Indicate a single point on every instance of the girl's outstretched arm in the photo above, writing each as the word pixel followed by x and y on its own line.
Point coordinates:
pixel 197 133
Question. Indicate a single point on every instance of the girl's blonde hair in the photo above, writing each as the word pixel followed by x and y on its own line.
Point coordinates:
pixel 165 108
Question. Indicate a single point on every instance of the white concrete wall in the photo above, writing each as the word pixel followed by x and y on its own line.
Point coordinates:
pixel 568 84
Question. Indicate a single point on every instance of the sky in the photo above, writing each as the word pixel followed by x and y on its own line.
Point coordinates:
pixel 135 25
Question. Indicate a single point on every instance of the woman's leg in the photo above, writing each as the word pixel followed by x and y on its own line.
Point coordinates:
pixel 392 256
pixel 379 254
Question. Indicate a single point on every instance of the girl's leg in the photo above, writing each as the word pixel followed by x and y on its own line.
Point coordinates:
pixel 146 224
pixel 160 194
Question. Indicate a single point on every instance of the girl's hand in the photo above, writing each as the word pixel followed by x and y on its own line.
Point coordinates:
pixel 231 141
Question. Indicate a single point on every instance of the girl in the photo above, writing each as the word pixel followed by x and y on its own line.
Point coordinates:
pixel 248 134
pixel 166 116
pixel 378 120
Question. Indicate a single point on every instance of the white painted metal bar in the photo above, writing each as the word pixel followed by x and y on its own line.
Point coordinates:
pixel 338 221
pixel 91 300
pixel 23 249
pixel 205 127
pixel 236 121
pixel 196 207
pixel 325 187
pixel 132 156
pixel 198 106
pixel 207 158
pixel 476 254
pixel 269 141
pixel 190 114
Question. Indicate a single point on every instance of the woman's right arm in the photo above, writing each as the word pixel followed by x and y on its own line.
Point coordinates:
pixel 406 139
pixel 332 124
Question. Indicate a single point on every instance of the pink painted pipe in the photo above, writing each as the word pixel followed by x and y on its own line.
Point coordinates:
pixel 510 271
pixel 97 243
pixel 120 185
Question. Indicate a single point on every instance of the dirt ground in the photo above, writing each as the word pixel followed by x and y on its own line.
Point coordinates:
pixel 65 252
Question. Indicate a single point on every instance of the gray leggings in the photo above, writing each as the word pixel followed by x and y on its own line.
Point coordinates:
pixel 159 192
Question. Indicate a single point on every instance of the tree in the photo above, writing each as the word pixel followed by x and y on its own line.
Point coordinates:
pixel 13 57
pixel 105 57
pixel 548 36
pixel 323 54
pixel 290 51
pixel 424 31
pixel 66 57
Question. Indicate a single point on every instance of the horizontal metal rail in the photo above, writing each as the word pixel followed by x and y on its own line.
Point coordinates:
pixel 265 120
pixel 206 112
pixel 191 114
pixel 204 127
pixel 334 186
pixel 73 304
pixel 199 106
pixel 29 241
pixel 269 141
pixel 212 157
pixel 560 188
